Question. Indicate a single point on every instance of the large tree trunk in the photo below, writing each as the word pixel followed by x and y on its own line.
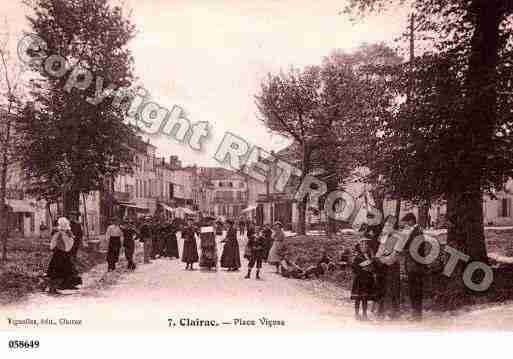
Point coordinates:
pixel 465 208
pixel 424 214
pixel 331 224
pixel 397 212
pixel 4 213
pixel 466 231
pixel 71 201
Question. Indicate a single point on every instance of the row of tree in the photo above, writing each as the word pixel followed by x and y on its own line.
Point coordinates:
pixel 437 126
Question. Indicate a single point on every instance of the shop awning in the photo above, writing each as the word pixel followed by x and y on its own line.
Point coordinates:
pixel 184 210
pixel 134 206
pixel 167 208
pixel 20 206
pixel 249 209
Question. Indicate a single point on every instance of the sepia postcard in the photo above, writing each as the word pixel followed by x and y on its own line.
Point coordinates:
pixel 278 169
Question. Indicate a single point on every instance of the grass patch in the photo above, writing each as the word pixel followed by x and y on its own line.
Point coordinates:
pixel 27 261
pixel 441 293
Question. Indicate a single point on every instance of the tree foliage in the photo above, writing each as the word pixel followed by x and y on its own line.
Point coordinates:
pixel 454 139
pixel 70 144
pixel 326 109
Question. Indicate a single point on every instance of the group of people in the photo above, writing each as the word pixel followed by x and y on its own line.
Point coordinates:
pixel 376 267
pixel 375 262
pixel 261 244
pixel 159 239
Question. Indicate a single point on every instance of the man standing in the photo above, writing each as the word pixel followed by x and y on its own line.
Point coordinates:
pixel 129 234
pixel 414 269
pixel 145 237
pixel 114 237
pixel 76 229
pixel 268 240
pixel 401 243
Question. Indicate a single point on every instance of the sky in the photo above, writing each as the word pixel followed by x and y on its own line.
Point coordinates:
pixel 210 56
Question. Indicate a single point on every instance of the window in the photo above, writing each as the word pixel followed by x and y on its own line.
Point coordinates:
pixel 32 223
pixel 230 184
pixel 505 207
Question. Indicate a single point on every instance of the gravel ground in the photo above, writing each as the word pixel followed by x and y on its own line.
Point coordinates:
pixel 144 300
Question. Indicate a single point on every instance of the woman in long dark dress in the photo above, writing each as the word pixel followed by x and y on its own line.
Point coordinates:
pixel 208 258
pixel 231 254
pixel 60 269
pixel 171 241
pixel 190 248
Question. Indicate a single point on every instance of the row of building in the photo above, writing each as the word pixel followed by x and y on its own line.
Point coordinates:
pixel 159 184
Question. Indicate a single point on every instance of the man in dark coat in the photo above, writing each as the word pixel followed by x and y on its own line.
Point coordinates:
pixel 415 271
pixel 268 240
pixel 129 234
pixel 145 236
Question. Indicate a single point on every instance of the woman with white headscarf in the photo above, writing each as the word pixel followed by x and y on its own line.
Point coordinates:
pixel 60 269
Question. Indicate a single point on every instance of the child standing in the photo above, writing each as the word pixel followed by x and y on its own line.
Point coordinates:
pixel 363 279
pixel 255 249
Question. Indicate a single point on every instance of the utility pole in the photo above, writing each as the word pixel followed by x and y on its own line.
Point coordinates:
pixel 409 93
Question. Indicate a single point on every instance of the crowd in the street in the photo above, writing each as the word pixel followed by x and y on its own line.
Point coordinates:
pixel 375 262
pixel 159 238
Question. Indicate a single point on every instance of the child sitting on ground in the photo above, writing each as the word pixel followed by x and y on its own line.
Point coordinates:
pixel 289 269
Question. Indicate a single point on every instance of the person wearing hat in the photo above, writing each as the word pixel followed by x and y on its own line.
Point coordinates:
pixel 278 248
pixel 363 286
